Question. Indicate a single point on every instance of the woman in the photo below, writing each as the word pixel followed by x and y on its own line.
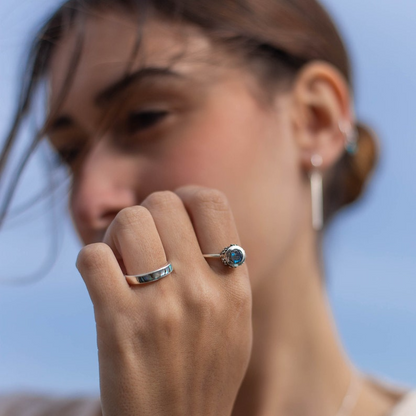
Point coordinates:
pixel 188 126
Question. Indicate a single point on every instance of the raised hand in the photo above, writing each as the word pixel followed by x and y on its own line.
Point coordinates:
pixel 181 345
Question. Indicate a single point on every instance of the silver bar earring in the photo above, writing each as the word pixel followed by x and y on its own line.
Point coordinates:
pixel 317 193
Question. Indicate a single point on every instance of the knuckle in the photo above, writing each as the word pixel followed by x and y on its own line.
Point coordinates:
pixel 131 216
pixel 211 199
pixel 162 200
pixel 186 191
pixel 168 318
pixel 205 301
pixel 92 257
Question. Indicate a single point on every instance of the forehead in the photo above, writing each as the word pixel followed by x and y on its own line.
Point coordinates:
pixel 109 40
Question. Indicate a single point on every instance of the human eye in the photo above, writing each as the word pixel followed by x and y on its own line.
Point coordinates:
pixel 67 152
pixel 67 155
pixel 145 119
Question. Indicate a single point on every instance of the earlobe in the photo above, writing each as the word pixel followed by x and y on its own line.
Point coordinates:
pixel 321 105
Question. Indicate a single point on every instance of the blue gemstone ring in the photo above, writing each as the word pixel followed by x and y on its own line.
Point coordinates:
pixel 232 256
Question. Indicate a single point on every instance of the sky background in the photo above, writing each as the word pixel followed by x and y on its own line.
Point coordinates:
pixel 47 332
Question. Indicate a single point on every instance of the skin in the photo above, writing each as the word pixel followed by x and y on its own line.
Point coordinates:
pixel 222 165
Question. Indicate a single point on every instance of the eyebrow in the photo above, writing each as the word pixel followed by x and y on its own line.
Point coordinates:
pixel 111 92
pixel 118 87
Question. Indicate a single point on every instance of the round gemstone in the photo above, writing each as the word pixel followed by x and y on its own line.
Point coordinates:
pixel 236 257
pixel 233 256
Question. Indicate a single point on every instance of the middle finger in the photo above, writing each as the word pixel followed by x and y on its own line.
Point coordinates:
pixel 175 228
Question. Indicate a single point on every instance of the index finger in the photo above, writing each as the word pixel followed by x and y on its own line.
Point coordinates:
pixel 102 275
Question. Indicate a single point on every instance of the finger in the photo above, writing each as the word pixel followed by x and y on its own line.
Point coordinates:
pixel 102 275
pixel 212 221
pixel 134 238
pixel 174 227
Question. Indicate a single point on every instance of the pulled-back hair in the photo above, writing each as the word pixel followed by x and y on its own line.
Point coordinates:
pixel 283 34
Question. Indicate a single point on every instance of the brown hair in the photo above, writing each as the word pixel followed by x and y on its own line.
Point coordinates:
pixel 283 34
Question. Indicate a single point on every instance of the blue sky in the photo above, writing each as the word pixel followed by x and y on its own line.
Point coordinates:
pixel 47 334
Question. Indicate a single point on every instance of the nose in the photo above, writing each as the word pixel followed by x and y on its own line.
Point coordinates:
pixel 104 185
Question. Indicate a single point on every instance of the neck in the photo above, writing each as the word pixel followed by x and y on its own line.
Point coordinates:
pixel 298 366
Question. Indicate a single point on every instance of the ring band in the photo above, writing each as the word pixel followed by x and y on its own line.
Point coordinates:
pixel 139 279
pixel 232 256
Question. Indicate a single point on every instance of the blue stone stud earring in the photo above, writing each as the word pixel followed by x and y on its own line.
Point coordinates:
pixel 351 137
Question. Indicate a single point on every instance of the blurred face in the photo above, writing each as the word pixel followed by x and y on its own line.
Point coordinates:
pixel 187 113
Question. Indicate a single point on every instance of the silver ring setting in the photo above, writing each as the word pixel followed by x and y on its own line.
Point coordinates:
pixel 139 279
pixel 232 256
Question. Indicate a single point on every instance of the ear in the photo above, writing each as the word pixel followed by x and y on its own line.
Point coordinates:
pixel 321 103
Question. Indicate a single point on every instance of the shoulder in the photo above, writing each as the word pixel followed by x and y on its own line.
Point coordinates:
pixel 406 406
pixel 38 405
pixel 403 397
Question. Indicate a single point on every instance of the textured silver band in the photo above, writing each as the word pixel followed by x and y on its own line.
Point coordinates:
pixel 139 279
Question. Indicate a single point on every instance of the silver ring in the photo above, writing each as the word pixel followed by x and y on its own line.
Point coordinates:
pixel 139 279
pixel 232 256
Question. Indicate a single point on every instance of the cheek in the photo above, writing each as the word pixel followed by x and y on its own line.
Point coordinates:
pixel 218 148
pixel 273 214
pixel 249 157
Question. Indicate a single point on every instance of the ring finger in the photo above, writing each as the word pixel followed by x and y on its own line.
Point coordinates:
pixel 135 241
